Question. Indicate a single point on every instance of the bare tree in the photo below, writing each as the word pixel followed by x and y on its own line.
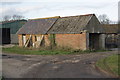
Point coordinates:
pixel 13 17
pixel 17 17
pixel 20 17
pixel 6 18
pixel 103 19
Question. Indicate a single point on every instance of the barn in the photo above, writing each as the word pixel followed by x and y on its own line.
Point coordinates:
pixel 34 32
pixel 82 32
pixel 14 26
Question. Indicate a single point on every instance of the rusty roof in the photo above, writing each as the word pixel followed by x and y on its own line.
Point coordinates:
pixel 110 28
pixel 70 24
pixel 37 26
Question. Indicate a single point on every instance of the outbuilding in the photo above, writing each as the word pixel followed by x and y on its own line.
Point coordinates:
pixel 14 26
pixel 34 32
pixel 82 32
pixel 111 32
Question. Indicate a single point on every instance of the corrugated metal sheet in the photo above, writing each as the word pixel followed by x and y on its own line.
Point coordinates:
pixel 37 26
pixel 110 28
pixel 14 25
pixel 71 24
pixel 14 38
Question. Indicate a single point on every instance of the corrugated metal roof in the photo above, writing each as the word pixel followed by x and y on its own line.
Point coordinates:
pixel 14 25
pixel 6 22
pixel 110 28
pixel 37 26
pixel 71 24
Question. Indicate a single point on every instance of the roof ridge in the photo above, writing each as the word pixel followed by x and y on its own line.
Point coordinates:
pixel 45 18
pixel 88 21
pixel 78 15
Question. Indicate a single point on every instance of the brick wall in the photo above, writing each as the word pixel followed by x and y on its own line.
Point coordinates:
pixel 47 41
pixel 75 41
pixel 20 40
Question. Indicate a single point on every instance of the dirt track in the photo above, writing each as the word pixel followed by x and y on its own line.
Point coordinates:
pixel 56 66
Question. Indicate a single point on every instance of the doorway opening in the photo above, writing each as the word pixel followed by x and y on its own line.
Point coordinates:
pixel 94 41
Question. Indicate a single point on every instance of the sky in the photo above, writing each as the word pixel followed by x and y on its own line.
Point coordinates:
pixel 48 8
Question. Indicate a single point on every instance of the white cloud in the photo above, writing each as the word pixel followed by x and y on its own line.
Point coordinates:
pixel 60 1
pixel 10 3
pixel 18 9
pixel 45 8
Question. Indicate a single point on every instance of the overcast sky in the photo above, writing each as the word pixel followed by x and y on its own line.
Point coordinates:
pixel 47 8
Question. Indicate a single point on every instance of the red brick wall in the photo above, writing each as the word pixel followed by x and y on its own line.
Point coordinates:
pixel 75 41
pixel 47 41
pixel 20 40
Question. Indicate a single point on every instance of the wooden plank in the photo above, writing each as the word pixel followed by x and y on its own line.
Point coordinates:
pixel 28 40
pixel 38 43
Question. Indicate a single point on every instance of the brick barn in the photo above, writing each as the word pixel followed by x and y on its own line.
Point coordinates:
pixel 34 32
pixel 82 32
pixel 79 32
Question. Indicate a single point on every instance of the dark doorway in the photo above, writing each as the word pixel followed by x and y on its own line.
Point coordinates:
pixel 4 35
pixel 94 41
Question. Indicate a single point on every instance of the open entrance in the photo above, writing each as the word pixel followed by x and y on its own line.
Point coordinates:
pixel 24 39
pixel 94 41
pixel 111 41
pixel 5 36
pixel 27 41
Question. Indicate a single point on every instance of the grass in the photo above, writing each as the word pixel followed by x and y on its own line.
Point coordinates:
pixel 20 50
pixel 110 64
pixel 44 51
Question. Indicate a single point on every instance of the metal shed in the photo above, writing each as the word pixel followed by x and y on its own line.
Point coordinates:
pixel 14 26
